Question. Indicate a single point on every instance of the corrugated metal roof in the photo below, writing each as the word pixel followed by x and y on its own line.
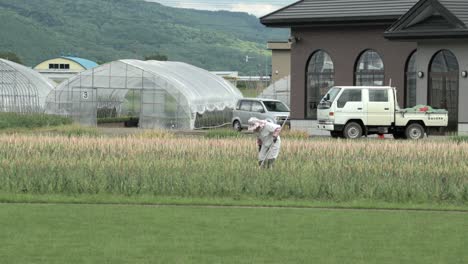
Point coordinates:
pixel 87 64
pixel 459 8
pixel 340 10
pixel 432 18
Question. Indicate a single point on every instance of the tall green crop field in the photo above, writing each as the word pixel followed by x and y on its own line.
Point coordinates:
pixel 322 170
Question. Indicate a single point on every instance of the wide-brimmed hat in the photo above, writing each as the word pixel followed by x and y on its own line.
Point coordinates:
pixel 255 123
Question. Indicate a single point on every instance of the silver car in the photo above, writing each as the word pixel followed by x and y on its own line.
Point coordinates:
pixel 266 109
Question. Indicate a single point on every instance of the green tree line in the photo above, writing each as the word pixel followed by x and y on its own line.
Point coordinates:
pixel 106 30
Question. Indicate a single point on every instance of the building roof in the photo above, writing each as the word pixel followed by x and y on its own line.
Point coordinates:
pixel 87 64
pixel 279 45
pixel 457 7
pixel 330 11
pixel 432 19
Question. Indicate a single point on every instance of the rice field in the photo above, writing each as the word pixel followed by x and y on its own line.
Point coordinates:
pixel 164 165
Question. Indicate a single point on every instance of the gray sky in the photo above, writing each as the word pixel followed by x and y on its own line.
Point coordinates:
pixel 255 7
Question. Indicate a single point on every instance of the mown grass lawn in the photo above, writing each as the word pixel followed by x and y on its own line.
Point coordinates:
pixel 148 234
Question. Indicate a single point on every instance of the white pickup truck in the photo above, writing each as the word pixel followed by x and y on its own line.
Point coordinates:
pixel 354 111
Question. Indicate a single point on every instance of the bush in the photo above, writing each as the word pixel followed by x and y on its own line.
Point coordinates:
pixel 114 119
pixel 15 120
pixel 107 112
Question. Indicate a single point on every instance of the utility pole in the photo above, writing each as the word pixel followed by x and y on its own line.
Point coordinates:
pixel 247 58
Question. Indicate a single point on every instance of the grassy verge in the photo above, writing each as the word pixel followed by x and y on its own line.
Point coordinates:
pixel 222 202
pixel 70 131
pixel 223 133
pixel 15 121
pixel 134 234
pixel 230 133
pixel 73 130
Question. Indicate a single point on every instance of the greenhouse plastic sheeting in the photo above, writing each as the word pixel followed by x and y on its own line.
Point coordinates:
pixel 162 94
pixel 279 90
pixel 22 90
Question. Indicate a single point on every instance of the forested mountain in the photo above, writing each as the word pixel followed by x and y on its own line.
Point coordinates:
pixel 106 30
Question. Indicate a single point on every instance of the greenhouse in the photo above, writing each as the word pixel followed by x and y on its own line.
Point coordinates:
pixel 22 90
pixel 158 94
pixel 279 90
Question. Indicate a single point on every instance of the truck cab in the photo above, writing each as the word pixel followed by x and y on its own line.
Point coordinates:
pixel 354 111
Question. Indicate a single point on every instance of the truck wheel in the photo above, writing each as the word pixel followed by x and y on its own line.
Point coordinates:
pixel 414 131
pixel 352 130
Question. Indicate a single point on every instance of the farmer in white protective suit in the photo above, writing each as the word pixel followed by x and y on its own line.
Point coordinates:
pixel 268 140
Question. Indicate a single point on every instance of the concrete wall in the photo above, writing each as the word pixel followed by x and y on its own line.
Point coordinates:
pixel 426 51
pixel 309 126
pixel 345 45
pixel 281 64
pixel 280 60
pixel 463 129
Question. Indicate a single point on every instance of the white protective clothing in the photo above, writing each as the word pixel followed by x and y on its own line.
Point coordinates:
pixel 266 136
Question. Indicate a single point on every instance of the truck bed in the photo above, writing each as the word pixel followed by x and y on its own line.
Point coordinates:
pixel 438 118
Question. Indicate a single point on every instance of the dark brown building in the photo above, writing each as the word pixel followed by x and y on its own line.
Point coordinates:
pixel 420 47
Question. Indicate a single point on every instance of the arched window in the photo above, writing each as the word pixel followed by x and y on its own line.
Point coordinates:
pixel 444 84
pixel 410 81
pixel 369 69
pixel 444 62
pixel 320 78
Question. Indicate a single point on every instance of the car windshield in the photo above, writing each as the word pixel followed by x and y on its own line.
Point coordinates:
pixel 273 106
pixel 325 104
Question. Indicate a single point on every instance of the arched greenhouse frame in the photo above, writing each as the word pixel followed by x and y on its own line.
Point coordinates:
pixel 170 95
pixel 279 90
pixel 22 90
